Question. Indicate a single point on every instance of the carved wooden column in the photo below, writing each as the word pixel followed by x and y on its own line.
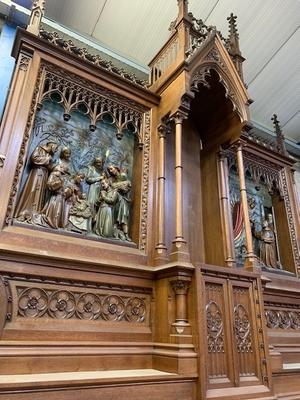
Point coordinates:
pixel 250 259
pixel 179 247
pixel 181 285
pixel 37 13
pixel 161 256
pixel 225 210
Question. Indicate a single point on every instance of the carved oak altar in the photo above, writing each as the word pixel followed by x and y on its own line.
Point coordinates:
pixel 149 239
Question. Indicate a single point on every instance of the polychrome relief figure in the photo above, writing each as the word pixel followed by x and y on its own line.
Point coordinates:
pixel 119 181
pixel 93 179
pixel 104 224
pixel 267 245
pixel 32 197
pixel 53 214
pixel 80 214
pixel 73 188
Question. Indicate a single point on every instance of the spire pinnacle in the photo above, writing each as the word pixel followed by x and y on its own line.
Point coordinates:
pixel 279 135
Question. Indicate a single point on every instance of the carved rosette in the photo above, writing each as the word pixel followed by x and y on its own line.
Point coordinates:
pixel 135 310
pixel 62 304
pixel 88 306
pixel 113 308
pixel 215 328
pixel 242 329
pixel 33 303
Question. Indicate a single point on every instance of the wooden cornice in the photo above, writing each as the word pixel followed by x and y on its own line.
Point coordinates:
pixel 266 152
pixel 30 43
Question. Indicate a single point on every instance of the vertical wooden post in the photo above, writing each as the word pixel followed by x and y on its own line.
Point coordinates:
pixel 250 259
pixel 181 287
pixel 225 210
pixel 37 13
pixel 179 246
pixel 161 249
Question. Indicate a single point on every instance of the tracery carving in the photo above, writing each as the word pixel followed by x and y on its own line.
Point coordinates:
pixel 242 329
pixel 97 102
pixel 213 61
pixel 215 328
pixel 45 302
pixel 24 62
pixel 69 46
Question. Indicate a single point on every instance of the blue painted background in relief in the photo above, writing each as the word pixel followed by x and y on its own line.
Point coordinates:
pixel 84 144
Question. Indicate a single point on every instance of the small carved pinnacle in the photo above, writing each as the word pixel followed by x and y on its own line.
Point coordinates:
pixel 279 135
pixel 232 25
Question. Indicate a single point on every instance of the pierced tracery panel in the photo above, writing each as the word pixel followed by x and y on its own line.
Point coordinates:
pixel 216 341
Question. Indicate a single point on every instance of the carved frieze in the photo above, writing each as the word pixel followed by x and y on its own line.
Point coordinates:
pixel 71 303
pixel 283 319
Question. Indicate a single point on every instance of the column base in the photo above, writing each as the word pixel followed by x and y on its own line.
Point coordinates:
pixel 179 251
pixel 252 263
pixel 161 255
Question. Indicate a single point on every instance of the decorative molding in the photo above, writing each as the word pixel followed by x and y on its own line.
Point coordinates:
pixel 145 182
pixel 290 218
pixel 48 301
pixel 242 329
pixel 23 150
pixel 70 47
pixel 215 328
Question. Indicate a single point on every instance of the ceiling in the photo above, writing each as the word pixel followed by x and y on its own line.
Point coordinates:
pixel 269 40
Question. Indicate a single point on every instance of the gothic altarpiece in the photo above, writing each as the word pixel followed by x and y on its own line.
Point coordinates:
pixel 143 225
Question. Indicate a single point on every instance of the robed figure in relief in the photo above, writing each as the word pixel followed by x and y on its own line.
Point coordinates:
pixel 32 197
pixel 267 245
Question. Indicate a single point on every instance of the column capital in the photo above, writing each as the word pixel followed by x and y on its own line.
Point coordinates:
pixel 180 286
pixel 178 117
pixel 238 145
pixel 163 129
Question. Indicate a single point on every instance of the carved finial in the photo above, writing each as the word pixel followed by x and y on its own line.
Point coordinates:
pixel 182 9
pixel 234 45
pixel 279 135
pixel 232 25
pixel 37 12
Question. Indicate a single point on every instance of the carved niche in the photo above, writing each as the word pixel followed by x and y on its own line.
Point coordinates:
pixel 76 170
